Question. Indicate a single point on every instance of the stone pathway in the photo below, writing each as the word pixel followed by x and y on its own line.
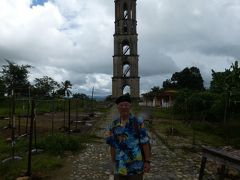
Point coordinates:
pixel 94 162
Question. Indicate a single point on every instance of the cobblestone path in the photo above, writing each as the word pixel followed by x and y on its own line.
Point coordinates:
pixel 94 162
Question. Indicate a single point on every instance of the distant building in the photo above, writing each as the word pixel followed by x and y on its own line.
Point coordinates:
pixel 164 99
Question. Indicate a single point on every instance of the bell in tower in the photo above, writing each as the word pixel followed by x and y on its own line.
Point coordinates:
pixel 125 58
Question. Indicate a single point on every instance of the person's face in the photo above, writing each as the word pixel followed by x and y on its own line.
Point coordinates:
pixel 124 108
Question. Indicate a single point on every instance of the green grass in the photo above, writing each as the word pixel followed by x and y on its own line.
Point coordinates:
pixel 43 106
pixel 203 133
pixel 212 134
pixel 42 164
pixel 3 123
pixel 59 143
pixel 46 163
pixel 4 111
pixel 55 147
pixel 180 129
pixel 163 113
pixel 4 149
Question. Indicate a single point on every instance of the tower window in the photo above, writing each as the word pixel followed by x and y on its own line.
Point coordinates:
pixel 125 28
pixel 126 50
pixel 131 12
pixel 126 70
pixel 126 89
pixel 125 11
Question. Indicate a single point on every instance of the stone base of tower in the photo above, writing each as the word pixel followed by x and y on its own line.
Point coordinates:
pixel 118 85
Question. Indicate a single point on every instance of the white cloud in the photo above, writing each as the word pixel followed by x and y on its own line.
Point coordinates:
pixel 73 40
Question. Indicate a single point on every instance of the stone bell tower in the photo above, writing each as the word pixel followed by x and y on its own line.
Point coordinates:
pixel 125 58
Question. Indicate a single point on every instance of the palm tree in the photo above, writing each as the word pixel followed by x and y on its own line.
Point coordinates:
pixel 234 77
pixel 67 86
pixel 65 91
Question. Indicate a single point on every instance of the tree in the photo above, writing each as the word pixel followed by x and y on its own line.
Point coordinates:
pixel 15 77
pixel 227 85
pixel 168 84
pixel 80 96
pixel 155 91
pixel 67 86
pixel 2 87
pixel 234 78
pixel 108 98
pixel 189 78
pixel 64 90
pixel 219 81
pixel 229 80
pixel 203 105
pixel 45 86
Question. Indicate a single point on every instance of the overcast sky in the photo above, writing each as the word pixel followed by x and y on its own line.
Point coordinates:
pixel 73 39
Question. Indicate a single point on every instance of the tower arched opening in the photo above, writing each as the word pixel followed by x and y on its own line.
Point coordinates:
pixel 125 28
pixel 126 90
pixel 126 48
pixel 126 70
pixel 125 11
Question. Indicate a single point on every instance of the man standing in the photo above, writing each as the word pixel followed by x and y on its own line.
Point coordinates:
pixel 129 143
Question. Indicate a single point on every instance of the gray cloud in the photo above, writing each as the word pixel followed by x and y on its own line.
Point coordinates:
pixel 73 40
pixel 153 62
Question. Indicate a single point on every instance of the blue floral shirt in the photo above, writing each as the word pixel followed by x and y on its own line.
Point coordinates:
pixel 125 140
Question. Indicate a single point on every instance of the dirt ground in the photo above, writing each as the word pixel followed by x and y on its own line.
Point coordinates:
pixel 63 172
pixel 47 123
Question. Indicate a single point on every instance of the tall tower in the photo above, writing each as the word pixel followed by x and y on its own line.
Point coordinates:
pixel 125 58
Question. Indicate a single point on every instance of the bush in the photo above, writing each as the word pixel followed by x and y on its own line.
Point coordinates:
pixel 200 105
pixel 59 143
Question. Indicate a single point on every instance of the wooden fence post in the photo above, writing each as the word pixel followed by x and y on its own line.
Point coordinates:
pixel 29 171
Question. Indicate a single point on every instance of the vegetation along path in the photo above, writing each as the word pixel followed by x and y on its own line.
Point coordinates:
pixel 94 161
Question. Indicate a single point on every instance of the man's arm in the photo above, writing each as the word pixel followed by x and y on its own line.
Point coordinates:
pixel 146 151
pixel 147 156
pixel 113 153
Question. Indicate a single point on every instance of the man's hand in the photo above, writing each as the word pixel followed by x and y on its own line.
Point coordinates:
pixel 146 167
pixel 147 155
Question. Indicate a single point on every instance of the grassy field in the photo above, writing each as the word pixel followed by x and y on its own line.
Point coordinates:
pixel 56 145
pixel 164 122
pixel 197 132
pixel 44 106
pixel 52 157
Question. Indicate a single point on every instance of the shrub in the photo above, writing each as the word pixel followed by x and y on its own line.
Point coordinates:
pixel 57 144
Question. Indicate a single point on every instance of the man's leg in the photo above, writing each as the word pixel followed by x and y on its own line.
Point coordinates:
pixel 136 177
pixel 132 177
pixel 116 177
